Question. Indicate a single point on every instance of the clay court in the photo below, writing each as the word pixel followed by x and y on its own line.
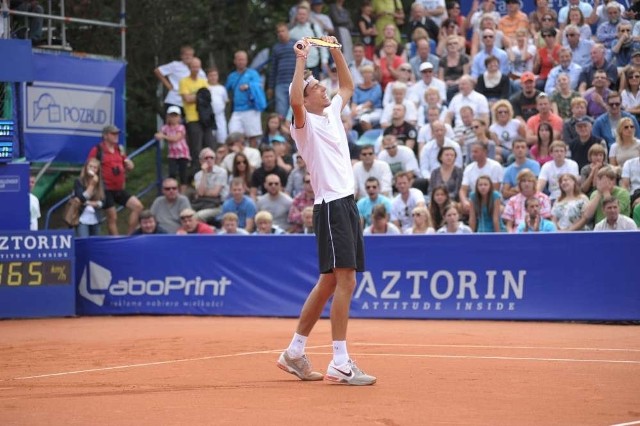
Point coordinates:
pixel 215 370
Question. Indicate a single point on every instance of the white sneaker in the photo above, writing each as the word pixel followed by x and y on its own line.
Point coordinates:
pixel 300 367
pixel 349 374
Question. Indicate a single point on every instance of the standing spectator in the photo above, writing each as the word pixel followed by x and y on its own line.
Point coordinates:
pixel 170 75
pixel 366 204
pixel 241 205
pixel 167 207
pixel 89 190
pixel 521 162
pixel 550 171
pixel 380 223
pixel 452 223
pixel 570 206
pixel 613 220
pixel 404 203
pixel 178 151
pixel 514 210
pixel 369 166
pixel 386 13
pixel 342 24
pixel 281 67
pixel 484 215
pixel 192 225
pixel 301 201
pixel 322 20
pixel 318 59
pixel 230 225
pixel 199 129
pixel 219 101
pixel 149 225
pixel 34 205
pixel 275 201
pixel 604 125
pixel 533 222
pixel 368 33
pixel 269 166
pixel 245 86
pixel 115 164
pixel 212 187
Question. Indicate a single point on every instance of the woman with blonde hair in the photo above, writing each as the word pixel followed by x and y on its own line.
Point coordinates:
pixel 505 128
pixel 627 146
pixel 89 189
pixel 562 96
pixel 454 63
pixel 571 204
pixel 421 222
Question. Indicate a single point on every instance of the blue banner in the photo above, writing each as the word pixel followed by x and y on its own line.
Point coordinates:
pixel 68 104
pixel 37 274
pixel 580 276
pixel 14 196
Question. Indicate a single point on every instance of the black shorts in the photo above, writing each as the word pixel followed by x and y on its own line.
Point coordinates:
pixel 116 197
pixel 338 235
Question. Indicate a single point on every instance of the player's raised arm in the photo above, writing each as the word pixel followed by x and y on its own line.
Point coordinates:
pixel 296 95
pixel 345 80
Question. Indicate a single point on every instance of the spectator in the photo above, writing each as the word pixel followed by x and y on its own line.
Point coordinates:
pixel 380 223
pixel 366 204
pixel 551 171
pixel 275 201
pixel 562 97
pixel 404 131
pixel 468 97
pixel 448 174
pixel 178 151
pixel 479 12
pixel 388 63
pixel 423 54
pixel 580 47
pixel 514 211
pixel 463 132
pixel 192 225
pixel 88 188
pixel 540 11
pixel 368 33
pixel 398 96
pixel 417 91
pixel 492 83
pixel 547 57
pixel 627 146
pixel 484 215
pixel 613 220
pixel 604 125
pixel 631 89
pixel 478 66
pixel 597 95
pixel 148 224
pixel 295 180
pixel 623 45
pixel 597 156
pixel 482 165
pixel 430 154
pixel 505 129
pixel 452 223
pixel 418 19
pixel 265 226
pixel 482 136
pixel 521 162
pixel 167 207
pixel 407 198
pixel 421 222
pixel 318 59
pixel 170 75
pixel 450 28
pixel 212 187
pixel 571 203
pixel 631 182
pixel 219 101
pixel 607 33
pixel 578 110
pixel 584 7
pixel 514 19
pixel 386 13
pixel 439 200
pixel 565 66
pixel 34 205
pixel 230 225
pixel 598 62
pixel 524 102
pixel 544 115
pixel 240 204
pixel 301 201
pixel 307 221
pixel 369 166
pixel 454 64
pixel 245 86
pixel 342 24
pixel 533 221
pixel 358 61
pixel 281 68
pixel 241 169
pixel 581 146
pixel 32 27
pixel 605 187
pixel 366 104
pixel 521 54
pixel 434 113
pixel 115 164
pixel 199 131
pixel 282 149
pixel 541 151
pixel 269 166
pixel 322 20
pixel 236 144
pixel 399 157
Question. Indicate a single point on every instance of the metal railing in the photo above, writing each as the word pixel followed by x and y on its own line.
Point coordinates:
pixel 157 183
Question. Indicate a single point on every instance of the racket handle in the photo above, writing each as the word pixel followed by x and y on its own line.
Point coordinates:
pixel 300 46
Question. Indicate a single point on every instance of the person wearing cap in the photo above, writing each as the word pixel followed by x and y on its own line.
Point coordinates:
pixel 524 102
pixel 174 133
pixel 322 20
pixel 566 66
pixel 427 80
pixel 624 45
pixel 114 165
pixel 580 146
pixel 514 19
pixel 478 66
pixel 598 62
pixel 580 47
pixel 607 32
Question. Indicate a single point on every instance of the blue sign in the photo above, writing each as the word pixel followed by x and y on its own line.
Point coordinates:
pixel 17 59
pixel 37 274
pixel 579 276
pixel 14 196
pixel 68 104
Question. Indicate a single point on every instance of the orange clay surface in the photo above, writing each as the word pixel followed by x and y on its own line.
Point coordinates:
pixel 222 371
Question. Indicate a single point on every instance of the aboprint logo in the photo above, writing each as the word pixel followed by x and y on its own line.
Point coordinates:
pixel 94 285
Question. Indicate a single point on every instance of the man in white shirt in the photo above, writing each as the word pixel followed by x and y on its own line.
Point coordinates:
pixel 399 157
pixel 416 93
pixel 482 165
pixel 551 170
pixel 429 154
pixel 370 166
pixel 170 75
pixel 469 97
pixel 407 199
pixel 614 221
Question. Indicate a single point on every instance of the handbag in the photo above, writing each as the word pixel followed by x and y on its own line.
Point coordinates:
pixel 71 215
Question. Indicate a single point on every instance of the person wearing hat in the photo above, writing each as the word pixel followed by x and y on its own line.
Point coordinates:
pixel 513 20
pixel 114 165
pixel 524 101
pixel 416 92
pixel 580 146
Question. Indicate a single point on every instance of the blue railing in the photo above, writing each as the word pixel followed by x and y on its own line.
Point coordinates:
pixel 154 184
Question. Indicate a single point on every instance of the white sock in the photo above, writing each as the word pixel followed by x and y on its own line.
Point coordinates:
pixel 340 354
pixel 296 347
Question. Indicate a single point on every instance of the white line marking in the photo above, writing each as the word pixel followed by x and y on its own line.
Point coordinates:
pixel 627 424
pixel 496 347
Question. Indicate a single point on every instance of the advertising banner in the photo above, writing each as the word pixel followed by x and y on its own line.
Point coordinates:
pixel 581 276
pixel 14 196
pixel 37 274
pixel 67 105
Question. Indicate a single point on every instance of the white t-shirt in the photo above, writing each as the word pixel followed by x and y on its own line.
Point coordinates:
pixel 631 171
pixel 425 134
pixel 472 172
pixel 401 210
pixel 322 142
pixel 404 160
pixel 34 208
pixel 174 72
pixel 252 154
pixel 416 92
pixel 477 101
pixel 219 98
pixel 410 112
pixel 429 155
pixel 550 172
pixel 507 133
pixel 380 170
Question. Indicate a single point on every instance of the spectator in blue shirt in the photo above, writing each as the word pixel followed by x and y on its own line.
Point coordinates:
pixel 240 204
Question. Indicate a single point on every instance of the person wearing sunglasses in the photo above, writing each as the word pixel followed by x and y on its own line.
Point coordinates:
pixel 167 207
pixel 374 197
pixel 478 66
pixel 603 127
pixel 192 225
pixel 630 86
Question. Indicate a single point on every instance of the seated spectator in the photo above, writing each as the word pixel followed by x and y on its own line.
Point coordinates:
pixel 550 172
pixel 389 63
pixel 597 95
pixel 453 65
pixel 613 220
pixel 541 150
pixel 452 223
pixel 464 134
pixel 544 115
pixel 275 201
pixel 607 32
pixel 580 47
pixel 399 157
pixel 484 215
pixel 241 169
pixel 492 83
pixel 301 201
pixel 421 222
pixel 562 96
pixel 521 162
pixel 212 187
pixel 514 211
pixel 575 24
pixel 149 225
pixel 578 110
pixel 570 206
pixel 396 94
pixel 369 166
pixel 623 45
pixel 269 166
pixel 405 132
pixel 581 145
pixel 533 221
pixel 447 174
pixel 429 113
pixel 548 22
pixel 380 223
pixel 273 128
pixel 295 181
pixel 602 127
pixel 366 204
pixel 627 146
pixel 468 97
pixel 282 148
pixel 89 190
pixel 489 47
pixel 505 129
pixel 221 153
pixel 598 62
pixel 605 187
pixel 524 102
pixel 236 143
pixel 631 182
pixel 630 86
pixel 427 80
pixel 483 136
pixel 307 221
pixel 430 154
pixel 451 30
pixel 366 103
pixel 192 225
pixel 404 203
pixel 167 207
pixel 482 165
pixel 521 54
pixel 265 226
pixel 241 205
pixel 438 200
pixel 597 156
pixel 230 225
pixel 565 66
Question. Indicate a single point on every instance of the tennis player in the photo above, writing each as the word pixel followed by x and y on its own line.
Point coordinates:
pixel 321 140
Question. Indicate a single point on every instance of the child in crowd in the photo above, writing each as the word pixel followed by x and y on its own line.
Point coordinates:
pixel 174 133
pixel 484 215
pixel 219 100
pixel 452 223
pixel 89 190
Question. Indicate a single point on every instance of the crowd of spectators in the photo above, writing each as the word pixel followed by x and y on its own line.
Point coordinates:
pixel 458 124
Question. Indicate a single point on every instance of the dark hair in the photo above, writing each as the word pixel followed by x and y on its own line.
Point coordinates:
pixel 547 126
pixel 480 200
pixel 236 173
pixel 443 149
pixel 437 213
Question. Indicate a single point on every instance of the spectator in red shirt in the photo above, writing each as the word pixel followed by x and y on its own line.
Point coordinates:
pixel 192 225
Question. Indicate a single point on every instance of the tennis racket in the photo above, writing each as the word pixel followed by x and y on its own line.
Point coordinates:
pixel 318 42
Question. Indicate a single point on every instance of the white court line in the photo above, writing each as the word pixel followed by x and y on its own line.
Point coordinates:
pixel 627 424
pixel 495 347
